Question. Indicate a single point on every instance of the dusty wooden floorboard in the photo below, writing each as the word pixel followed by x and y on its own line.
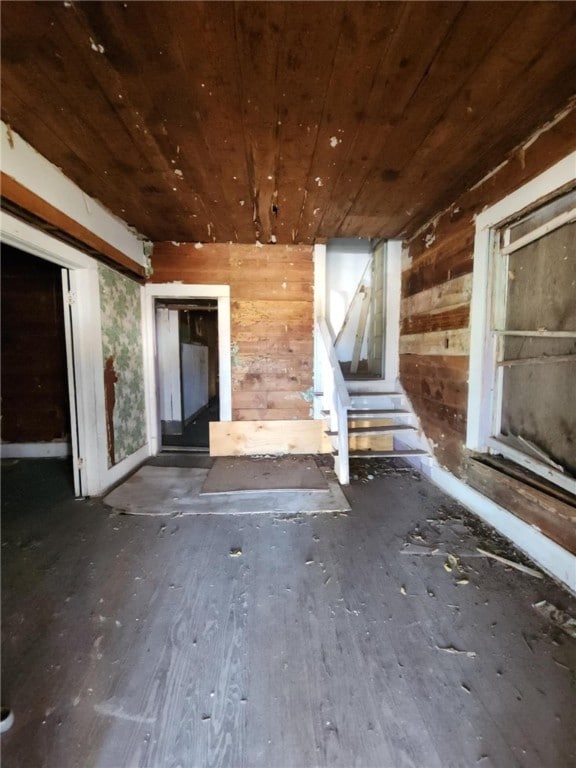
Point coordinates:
pixel 143 642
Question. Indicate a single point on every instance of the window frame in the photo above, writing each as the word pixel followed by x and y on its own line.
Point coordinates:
pixel 488 299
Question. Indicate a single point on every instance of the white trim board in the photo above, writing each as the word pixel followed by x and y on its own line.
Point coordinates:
pixel 551 557
pixel 150 293
pixel 35 450
pixel 556 177
pixel 319 312
pixel 27 238
pixel 28 167
pixel 393 301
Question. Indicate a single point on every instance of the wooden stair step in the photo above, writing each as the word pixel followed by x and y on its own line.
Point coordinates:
pixel 359 413
pixel 386 454
pixel 388 429
pixel 355 413
pixel 375 394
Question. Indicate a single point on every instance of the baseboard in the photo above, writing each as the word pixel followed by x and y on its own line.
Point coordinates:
pixel 551 557
pixel 35 450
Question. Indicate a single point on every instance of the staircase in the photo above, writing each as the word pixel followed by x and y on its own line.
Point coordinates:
pixel 380 422
pixel 367 418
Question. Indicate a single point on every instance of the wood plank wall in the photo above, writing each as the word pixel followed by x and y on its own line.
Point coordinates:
pixel 436 292
pixel 272 314
pixel 435 312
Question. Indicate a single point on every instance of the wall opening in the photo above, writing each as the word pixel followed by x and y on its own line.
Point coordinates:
pixel 35 420
pixel 188 371
pixel 177 297
pixel 356 305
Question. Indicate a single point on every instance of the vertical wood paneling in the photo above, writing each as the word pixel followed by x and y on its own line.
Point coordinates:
pixel 271 293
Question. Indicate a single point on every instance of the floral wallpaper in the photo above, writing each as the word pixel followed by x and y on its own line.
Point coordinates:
pixel 123 364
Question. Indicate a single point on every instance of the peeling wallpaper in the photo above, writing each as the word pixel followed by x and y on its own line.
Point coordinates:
pixel 123 364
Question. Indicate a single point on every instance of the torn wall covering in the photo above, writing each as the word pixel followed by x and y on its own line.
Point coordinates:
pixel 123 364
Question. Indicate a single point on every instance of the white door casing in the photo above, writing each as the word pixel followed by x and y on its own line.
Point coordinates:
pixel 153 291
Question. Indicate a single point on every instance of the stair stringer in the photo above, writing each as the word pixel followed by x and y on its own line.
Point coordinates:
pixel 417 440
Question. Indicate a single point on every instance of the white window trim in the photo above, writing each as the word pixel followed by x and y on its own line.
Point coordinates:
pixel 481 391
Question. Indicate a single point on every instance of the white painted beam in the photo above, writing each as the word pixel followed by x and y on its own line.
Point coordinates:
pixel 28 167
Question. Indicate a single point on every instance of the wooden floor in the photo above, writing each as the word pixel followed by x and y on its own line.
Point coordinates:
pixel 272 643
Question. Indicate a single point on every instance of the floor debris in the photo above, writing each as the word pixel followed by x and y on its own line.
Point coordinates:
pixel 511 563
pixel 451 563
pixel 455 536
pixel 455 652
pixel 365 470
pixel 555 616
pixel 235 552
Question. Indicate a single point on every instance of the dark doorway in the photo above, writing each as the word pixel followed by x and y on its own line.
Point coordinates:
pixel 187 342
pixel 35 401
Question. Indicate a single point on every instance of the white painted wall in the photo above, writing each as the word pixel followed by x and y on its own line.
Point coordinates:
pixel 194 359
pixel 168 336
pixel 346 260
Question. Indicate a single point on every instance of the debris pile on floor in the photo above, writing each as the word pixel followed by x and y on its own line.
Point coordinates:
pixel 558 618
pixel 459 540
pixel 366 470
pixel 235 552
pixel 455 535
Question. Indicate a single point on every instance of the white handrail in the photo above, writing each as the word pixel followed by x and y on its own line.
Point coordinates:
pixel 336 399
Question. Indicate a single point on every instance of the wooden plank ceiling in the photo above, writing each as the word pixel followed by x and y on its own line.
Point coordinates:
pixel 282 121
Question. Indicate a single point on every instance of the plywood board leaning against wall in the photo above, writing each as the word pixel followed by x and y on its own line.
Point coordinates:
pixel 251 438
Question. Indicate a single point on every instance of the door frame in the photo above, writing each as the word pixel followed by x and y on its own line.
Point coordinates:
pixel 79 278
pixel 153 291
pixel 393 276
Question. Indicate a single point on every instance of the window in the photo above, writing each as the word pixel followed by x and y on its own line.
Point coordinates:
pixel 523 355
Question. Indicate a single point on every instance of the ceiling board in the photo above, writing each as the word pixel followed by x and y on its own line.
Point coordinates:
pixel 284 121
